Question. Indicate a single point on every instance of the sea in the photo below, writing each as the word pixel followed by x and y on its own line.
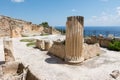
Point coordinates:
pixel 98 30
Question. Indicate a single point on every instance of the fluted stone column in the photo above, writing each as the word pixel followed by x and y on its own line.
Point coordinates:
pixel 74 39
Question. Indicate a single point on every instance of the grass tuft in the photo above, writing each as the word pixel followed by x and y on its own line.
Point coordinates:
pixel 27 40
pixel 31 44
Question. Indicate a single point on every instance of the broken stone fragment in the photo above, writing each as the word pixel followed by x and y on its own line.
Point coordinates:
pixel 115 74
pixel 40 44
pixel 48 45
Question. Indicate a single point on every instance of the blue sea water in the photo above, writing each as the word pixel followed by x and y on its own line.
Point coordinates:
pixel 96 30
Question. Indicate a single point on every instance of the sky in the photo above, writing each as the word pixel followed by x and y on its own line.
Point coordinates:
pixel 55 12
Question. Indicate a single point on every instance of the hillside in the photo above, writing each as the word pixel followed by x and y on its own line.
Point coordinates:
pixel 18 28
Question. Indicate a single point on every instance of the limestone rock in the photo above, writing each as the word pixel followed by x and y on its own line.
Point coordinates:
pixel 58 49
pixel 103 42
pixel 40 44
pixel 48 45
pixel 8 49
pixel 90 51
pixel 115 74
pixel 17 28
pixel 10 68
pixel 44 45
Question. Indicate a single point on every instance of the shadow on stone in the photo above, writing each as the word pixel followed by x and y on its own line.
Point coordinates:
pixel 2 62
pixel 54 60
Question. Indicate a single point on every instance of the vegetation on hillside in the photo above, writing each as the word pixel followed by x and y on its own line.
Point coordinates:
pixel 114 45
pixel 44 24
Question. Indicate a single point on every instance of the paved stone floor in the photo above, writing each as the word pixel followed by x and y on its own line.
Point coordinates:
pixel 2 58
pixel 47 67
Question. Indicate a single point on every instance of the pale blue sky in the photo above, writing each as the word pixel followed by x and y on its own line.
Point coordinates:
pixel 95 12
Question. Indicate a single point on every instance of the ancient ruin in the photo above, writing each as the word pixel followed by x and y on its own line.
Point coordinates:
pixel 24 62
pixel 73 49
pixel 8 49
pixel 74 39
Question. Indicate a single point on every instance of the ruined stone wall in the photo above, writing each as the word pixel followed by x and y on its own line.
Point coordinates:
pixel 8 49
pixel 58 49
pixel 44 45
pixel 103 42
pixel 89 51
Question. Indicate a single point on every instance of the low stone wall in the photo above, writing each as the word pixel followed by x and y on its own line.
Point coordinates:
pixel 8 49
pixel 58 49
pixel 103 42
pixel 90 51
pixel 43 45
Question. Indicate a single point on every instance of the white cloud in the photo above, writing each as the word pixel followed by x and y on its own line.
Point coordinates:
pixel 18 1
pixel 74 10
pixel 105 18
pixel 103 13
pixel 118 10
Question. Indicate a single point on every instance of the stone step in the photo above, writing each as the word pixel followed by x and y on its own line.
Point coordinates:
pixel 2 56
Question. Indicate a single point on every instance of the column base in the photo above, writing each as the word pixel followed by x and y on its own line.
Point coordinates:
pixel 74 61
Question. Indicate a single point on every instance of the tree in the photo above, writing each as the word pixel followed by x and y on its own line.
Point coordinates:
pixel 44 24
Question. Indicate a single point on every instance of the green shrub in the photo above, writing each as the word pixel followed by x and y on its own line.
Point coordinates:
pixel 114 45
pixel 44 24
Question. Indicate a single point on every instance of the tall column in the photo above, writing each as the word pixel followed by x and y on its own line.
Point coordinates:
pixel 74 39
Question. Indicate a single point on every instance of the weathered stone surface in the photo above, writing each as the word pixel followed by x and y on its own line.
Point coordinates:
pixel 8 49
pixel 48 45
pixel 58 49
pixel 44 45
pixel 17 28
pixel 51 30
pixel 10 68
pixel 103 42
pixel 2 56
pixel 115 74
pixel 90 51
pixel 16 32
pixel 40 44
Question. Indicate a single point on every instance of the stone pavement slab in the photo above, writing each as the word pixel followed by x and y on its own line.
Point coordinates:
pixel 2 56
pixel 46 67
